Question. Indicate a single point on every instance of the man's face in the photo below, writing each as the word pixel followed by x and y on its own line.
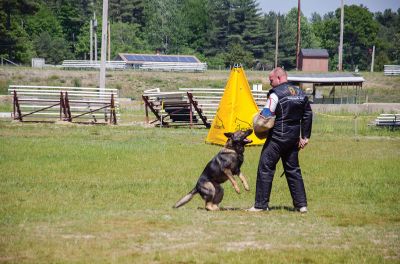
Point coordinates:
pixel 273 80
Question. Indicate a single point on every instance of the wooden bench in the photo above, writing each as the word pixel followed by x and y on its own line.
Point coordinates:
pixel 71 104
pixel 391 70
pixel 87 64
pixel 388 120
pixel 173 108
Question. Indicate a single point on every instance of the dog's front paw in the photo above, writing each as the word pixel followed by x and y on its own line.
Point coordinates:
pixel 247 188
pixel 237 190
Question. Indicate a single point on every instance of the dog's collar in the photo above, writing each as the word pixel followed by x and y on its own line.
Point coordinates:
pixel 226 150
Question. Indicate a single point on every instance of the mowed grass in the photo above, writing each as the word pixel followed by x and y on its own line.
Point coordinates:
pixel 95 194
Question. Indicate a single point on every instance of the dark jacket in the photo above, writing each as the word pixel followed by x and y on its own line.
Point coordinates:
pixel 293 113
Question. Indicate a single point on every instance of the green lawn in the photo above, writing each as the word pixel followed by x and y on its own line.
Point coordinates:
pixel 93 194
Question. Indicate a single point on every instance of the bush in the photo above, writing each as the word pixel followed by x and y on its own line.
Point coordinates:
pixel 76 82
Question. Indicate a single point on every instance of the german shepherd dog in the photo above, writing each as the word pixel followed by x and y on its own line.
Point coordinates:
pixel 221 168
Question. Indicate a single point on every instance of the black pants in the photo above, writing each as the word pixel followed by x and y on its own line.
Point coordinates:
pixel 272 151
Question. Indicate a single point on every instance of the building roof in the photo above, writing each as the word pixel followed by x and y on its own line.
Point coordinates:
pixel 326 78
pixel 320 53
pixel 142 58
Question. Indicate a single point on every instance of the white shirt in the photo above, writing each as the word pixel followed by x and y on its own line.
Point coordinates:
pixel 272 102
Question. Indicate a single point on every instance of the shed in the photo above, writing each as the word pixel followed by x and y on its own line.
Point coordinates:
pixel 344 87
pixel 313 60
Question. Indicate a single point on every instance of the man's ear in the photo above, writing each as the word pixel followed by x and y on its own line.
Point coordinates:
pixel 228 134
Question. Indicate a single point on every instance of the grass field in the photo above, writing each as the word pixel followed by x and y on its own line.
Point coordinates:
pixel 100 194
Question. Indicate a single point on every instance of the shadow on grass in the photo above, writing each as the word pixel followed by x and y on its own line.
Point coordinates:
pixel 272 208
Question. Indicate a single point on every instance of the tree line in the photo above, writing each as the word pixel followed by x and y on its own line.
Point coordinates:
pixel 219 32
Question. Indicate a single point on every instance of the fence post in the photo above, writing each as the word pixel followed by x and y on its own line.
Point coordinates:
pixel 16 105
pixel 68 110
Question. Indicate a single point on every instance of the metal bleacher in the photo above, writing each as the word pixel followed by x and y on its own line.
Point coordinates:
pixel 391 70
pixel 173 66
pixel 87 64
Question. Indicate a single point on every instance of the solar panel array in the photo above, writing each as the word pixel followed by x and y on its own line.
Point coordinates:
pixel 160 58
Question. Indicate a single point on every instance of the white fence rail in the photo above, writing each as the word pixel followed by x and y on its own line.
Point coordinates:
pixel 391 70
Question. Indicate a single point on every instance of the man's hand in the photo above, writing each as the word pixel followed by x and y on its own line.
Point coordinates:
pixel 303 142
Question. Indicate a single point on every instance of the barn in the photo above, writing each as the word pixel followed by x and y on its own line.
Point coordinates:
pixel 313 60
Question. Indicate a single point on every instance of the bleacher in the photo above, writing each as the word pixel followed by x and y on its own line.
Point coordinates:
pixel 70 104
pixel 387 120
pixel 173 108
pixel 391 70
pixel 208 99
pixel 87 64
pixel 174 66
pixel 204 103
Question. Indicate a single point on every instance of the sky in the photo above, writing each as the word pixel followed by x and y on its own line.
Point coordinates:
pixel 324 6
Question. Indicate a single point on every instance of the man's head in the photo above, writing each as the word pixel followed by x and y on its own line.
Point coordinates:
pixel 277 76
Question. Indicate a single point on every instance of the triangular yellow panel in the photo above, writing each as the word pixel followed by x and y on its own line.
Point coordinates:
pixel 235 111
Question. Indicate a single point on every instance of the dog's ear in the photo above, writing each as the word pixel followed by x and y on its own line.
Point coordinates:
pixel 228 134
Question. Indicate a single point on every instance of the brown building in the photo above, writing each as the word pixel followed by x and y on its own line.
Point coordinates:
pixel 313 60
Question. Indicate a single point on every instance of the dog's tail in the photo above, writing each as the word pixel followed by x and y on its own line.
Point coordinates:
pixel 185 199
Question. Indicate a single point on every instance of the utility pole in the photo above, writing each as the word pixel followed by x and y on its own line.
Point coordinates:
pixel 109 41
pixel 373 59
pixel 276 42
pixel 103 47
pixel 298 35
pixel 95 36
pixel 91 40
pixel 340 66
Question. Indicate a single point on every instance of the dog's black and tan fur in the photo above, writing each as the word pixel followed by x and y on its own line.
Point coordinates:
pixel 221 168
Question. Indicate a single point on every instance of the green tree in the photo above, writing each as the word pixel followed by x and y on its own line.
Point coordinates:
pixel 127 11
pixel 196 18
pixel 387 42
pixel 125 38
pixel 218 28
pixel 269 24
pixel 360 31
pixel 14 41
pixel 53 49
pixel 165 29
pixel 44 20
pixel 238 55
pixel 288 38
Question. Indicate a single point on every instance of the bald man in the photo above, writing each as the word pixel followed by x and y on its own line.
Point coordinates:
pixel 292 129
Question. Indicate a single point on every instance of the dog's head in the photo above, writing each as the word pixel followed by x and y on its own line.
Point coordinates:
pixel 238 140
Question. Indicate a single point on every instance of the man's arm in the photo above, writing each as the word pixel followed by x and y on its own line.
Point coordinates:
pixel 270 106
pixel 306 124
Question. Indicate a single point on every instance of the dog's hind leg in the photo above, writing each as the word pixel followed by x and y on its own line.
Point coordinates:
pixel 219 195
pixel 207 192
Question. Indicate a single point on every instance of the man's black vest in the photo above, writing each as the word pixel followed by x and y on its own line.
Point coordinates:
pixel 293 113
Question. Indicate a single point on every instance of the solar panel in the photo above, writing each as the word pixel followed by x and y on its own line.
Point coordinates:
pixel 160 58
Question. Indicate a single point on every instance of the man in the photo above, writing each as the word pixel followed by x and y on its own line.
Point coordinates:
pixel 290 133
